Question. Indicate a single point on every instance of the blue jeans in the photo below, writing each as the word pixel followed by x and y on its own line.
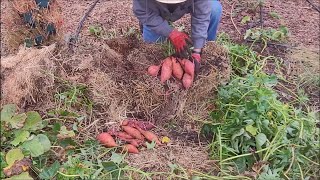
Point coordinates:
pixel 152 37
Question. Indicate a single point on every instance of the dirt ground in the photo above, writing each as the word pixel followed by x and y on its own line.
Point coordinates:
pixel 100 64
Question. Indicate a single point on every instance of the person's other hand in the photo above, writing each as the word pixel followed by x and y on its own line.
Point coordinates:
pixel 181 43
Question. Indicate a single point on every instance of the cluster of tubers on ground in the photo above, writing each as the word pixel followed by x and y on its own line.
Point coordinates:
pixel 134 133
pixel 182 69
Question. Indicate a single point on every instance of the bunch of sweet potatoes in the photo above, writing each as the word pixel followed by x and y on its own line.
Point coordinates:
pixel 134 134
pixel 182 69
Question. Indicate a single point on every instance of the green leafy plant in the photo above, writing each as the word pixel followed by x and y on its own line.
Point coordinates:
pixel 96 30
pixel 254 131
pixel 25 140
pixel 271 34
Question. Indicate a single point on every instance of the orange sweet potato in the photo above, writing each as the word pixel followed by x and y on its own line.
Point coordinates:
pixel 106 139
pixel 150 136
pixel 133 132
pixel 124 135
pixel 145 125
pixel 131 148
pixel 188 67
pixel 166 70
pixel 153 70
pixel 187 80
pixel 177 70
pixel 135 142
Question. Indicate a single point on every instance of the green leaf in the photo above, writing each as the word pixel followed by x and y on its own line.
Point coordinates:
pixel 195 178
pixel 252 130
pixel 239 133
pixel 50 172
pixel 151 145
pixel 64 133
pixel 18 120
pixel 38 145
pixel 173 166
pixel 109 166
pixel 245 19
pixel 7 112
pixel 33 122
pixel 14 155
pixel 248 33
pixel 274 15
pixel 22 176
pixel 261 139
pixel 116 158
pixel 34 147
pixel 44 140
pixel 20 137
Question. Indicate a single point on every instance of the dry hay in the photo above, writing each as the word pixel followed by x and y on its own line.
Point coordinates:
pixel 23 78
pixel 190 156
pixel 28 23
pixel 304 62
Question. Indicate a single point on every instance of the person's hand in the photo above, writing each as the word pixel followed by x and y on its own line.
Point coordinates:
pixel 181 43
pixel 196 59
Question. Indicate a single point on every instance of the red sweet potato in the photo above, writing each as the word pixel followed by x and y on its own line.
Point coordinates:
pixel 131 148
pixel 188 67
pixel 135 142
pixel 187 80
pixel 106 139
pixel 145 125
pixel 124 135
pixel 166 70
pixel 177 70
pixel 133 132
pixel 153 70
pixel 150 136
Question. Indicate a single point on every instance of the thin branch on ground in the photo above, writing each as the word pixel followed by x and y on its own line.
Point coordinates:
pixel 231 12
pixel 261 15
pixel 76 36
pixel 314 6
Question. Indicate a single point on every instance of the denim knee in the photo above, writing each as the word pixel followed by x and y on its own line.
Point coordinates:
pixel 216 10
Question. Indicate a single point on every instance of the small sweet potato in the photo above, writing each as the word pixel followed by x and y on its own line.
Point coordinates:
pixel 124 135
pixel 150 136
pixel 107 140
pixel 133 132
pixel 131 148
pixel 135 142
pixel 187 80
pixel 177 70
pixel 145 125
pixel 166 70
pixel 153 70
pixel 188 67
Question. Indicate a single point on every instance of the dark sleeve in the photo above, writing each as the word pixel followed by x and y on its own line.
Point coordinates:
pixel 200 20
pixel 148 14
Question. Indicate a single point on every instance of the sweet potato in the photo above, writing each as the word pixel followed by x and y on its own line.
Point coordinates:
pixel 106 139
pixel 135 142
pixel 131 148
pixel 133 132
pixel 125 122
pixel 177 70
pixel 187 80
pixel 145 125
pixel 166 70
pixel 124 135
pixel 150 136
pixel 188 67
pixel 153 70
